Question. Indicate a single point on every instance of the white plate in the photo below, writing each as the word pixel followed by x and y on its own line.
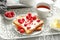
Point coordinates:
pixel 51 20
pixel 34 33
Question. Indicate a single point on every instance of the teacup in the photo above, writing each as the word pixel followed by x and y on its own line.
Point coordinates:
pixel 44 9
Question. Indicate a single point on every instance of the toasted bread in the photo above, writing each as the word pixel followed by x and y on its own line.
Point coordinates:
pixel 34 26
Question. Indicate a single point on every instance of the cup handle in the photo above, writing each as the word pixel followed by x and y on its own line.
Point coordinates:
pixel 50 13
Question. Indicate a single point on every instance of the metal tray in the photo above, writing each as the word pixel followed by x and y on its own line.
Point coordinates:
pixel 7 31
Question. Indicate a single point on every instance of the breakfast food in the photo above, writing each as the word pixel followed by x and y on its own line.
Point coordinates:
pixel 9 15
pixel 56 23
pixel 28 24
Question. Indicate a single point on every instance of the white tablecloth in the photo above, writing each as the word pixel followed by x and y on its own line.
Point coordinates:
pixel 51 37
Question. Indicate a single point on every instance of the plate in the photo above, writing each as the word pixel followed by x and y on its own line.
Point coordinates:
pixel 51 22
pixel 34 33
pixel 56 15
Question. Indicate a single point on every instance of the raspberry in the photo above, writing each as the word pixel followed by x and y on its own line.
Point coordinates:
pixel 27 17
pixel 25 24
pixel 12 13
pixel 19 27
pixel 21 31
pixel 23 19
pixel 6 14
pixel 29 14
pixel 38 20
pixel 20 21
pixel 34 17
pixel 9 14
pixel 28 27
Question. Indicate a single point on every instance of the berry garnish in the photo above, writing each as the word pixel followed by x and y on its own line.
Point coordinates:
pixel 34 17
pixel 25 24
pixel 12 13
pixel 27 17
pixel 29 14
pixel 21 30
pixel 20 21
pixel 28 27
pixel 23 19
pixel 6 14
pixel 19 27
pixel 30 21
pixel 38 20
pixel 9 14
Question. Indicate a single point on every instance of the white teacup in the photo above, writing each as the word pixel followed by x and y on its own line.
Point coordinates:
pixel 44 9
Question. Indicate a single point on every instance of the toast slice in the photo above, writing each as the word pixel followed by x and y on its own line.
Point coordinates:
pixel 39 28
pixel 29 25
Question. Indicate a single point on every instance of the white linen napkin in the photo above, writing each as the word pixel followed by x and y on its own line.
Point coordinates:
pixel 14 3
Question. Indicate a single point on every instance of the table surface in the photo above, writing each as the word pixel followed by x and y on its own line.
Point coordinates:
pixel 49 37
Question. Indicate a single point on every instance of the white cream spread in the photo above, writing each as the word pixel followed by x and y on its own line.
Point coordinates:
pixel 32 24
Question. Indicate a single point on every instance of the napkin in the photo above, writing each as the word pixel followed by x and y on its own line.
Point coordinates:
pixel 14 3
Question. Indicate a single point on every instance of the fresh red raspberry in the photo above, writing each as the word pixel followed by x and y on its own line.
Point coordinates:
pixel 6 14
pixel 27 17
pixel 21 30
pixel 23 19
pixel 20 21
pixel 25 24
pixel 34 17
pixel 38 20
pixel 29 14
pixel 9 14
pixel 12 13
pixel 28 27
pixel 19 27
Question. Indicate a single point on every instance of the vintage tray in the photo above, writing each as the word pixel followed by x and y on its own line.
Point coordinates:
pixel 8 32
